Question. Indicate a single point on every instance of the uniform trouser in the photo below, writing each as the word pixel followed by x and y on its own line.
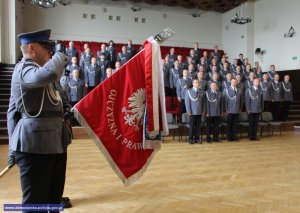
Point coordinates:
pixel 232 120
pixel 275 110
pixel 285 110
pixel 213 123
pixel 42 177
pixel 182 106
pixel 194 130
pixel 253 123
pixel 168 91
pixel 174 92
pixel 267 106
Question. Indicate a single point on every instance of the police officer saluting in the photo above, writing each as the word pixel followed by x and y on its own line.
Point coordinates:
pixel 38 135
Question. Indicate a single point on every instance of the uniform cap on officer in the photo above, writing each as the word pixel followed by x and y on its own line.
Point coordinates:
pixel 35 37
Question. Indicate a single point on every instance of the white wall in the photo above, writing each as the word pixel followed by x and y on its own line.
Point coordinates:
pixel 238 38
pixel 67 23
pixel 273 19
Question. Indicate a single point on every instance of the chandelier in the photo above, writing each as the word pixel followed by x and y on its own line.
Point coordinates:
pixel 241 16
pixel 44 3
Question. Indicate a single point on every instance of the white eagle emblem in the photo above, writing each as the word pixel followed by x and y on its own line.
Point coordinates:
pixel 134 116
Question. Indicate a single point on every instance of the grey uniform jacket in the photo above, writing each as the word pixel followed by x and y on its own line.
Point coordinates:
pixel 75 89
pixel 123 57
pixel 287 91
pixel 203 84
pixel 92 75
pixel 194 101
pixel 276 90
pixel 248 83
pixel 41 135
pixel 225 84
pixel 254 100
pixel 72 52
pixel 233 101
pixel 271 75
pixel 182 86
pixel 266 88
pixel 85 60
pixel 213 103
pixel 103 66
pixel 71 67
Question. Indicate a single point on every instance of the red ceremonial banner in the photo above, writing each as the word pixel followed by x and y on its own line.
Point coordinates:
pixel 113 115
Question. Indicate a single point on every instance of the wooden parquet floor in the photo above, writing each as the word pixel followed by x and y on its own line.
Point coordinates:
pixel 241 177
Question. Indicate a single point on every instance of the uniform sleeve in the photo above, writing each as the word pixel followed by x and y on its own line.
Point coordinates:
pixel 178 88
pixel 86 76
pixel 171 80
pixel 34 76
pixel 225 101
pixel 187 103
pixel 247 100
pixel 10 117
pixel 206 104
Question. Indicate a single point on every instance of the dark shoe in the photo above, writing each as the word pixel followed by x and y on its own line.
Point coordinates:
pixel 66 202
pixel 191 142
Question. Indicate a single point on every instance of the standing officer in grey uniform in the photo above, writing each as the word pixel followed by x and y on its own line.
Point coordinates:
pixel 276 94
pixel 38 135
pixel 254 106
pixel 214 110
pixel 92 75
pixel 103 64
pixel 123 56
pixel 287 97
pixel 265 86
pixel 130 49
pixel 202 81
pixel 194 103
pixel 250 79
pixel 183 84
pixel 272 72
pixel 75 92
pixel 85 59
pixel 71 51
pixel 112 56
pixel 227 81
pixel 73 66
pixel 233 101
pixel 174 76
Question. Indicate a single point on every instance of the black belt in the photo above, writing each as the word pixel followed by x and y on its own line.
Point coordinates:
pixel 49 114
